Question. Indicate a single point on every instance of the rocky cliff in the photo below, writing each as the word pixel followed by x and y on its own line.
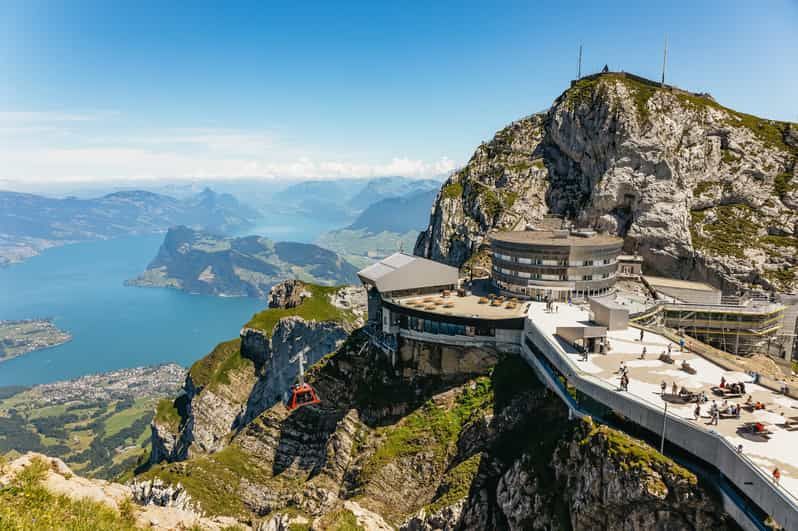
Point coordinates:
pixel 241 378
pixel 201 262
pixel 701 191
pixel 427 445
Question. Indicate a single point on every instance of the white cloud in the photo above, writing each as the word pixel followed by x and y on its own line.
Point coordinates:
pixel 39 147
pixel 28 117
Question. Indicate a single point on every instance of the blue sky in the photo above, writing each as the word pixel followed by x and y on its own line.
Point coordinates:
pixel 131 90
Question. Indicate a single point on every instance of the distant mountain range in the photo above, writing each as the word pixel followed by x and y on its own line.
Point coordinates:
pixel 397 214
pixel 341 198
pixel 30 223
pixel 392 187
pixel 201 262
pixel 381 229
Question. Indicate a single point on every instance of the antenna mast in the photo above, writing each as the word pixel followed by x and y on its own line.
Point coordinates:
pixel 579 64
pixel 664 60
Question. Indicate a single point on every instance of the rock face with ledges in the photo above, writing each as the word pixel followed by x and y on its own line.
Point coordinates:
pixel 701 191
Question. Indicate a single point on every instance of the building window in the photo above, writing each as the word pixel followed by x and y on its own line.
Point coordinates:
pixel 588 262
pixel 587 277
pixel 523 274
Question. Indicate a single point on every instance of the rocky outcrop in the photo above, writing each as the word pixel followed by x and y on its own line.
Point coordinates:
pixel 290 336
pixel 241 379
pixel 701 191
pixel 164 439
pixel 288 294
pixel 156 492
pixel 147 505
pixel 605 480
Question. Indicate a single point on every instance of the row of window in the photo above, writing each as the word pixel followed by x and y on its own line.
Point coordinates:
pixel 540 293
pixel 561 276
pixel 439 327
pixel 562 262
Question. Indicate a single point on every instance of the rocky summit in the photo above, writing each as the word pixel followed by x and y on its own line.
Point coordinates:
pixel 703 192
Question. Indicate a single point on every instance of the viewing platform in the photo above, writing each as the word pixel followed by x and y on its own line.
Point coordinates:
pixel 743 454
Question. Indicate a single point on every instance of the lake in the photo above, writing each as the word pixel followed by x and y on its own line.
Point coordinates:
pixel 113 326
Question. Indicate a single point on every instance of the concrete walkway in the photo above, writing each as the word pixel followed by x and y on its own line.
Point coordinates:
pixel 646 376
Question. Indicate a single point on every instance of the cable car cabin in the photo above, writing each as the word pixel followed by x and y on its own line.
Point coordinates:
pixel 302 395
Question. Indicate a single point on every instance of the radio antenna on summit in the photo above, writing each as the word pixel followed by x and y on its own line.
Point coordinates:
pixel 664 60
pixel 579 64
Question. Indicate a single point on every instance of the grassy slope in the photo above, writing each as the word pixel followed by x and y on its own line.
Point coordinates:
pixel 26 505
pixel 315 308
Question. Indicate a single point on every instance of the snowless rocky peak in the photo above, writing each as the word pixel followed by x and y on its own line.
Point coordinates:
pixel 701 191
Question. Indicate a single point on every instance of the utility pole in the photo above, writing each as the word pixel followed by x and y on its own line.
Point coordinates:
pixel 579 65
pixel 664 419
pixel 664 60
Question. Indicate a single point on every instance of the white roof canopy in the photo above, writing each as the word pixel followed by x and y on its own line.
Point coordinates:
pixel 402 271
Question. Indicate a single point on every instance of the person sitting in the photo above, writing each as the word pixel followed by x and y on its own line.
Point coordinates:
pixel 759 427
pixel 742 388
pixel 759 405
pixel 749 400
pixel 722 382
pixel 704 397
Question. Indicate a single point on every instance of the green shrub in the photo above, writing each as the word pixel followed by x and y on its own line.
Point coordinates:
pixel 453 190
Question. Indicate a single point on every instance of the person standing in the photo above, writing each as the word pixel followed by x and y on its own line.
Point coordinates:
pixel 697 412
pixel 776 475
pixel 662 386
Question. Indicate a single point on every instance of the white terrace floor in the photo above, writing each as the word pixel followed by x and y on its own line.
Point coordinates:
pixel 646 376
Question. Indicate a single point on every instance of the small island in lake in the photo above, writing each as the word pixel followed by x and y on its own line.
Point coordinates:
pixel 28 335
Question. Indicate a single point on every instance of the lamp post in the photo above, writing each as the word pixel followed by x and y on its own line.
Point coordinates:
pixel 664 420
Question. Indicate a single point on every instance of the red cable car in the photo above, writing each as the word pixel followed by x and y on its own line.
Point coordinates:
pixel 302 394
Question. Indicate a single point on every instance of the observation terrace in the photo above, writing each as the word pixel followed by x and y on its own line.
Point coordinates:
pixel 749 470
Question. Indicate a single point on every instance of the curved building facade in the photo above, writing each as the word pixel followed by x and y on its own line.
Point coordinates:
pixel 556 264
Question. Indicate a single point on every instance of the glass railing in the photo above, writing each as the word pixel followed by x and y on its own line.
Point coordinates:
pixel 577 373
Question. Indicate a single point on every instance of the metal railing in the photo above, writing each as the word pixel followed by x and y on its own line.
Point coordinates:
pixel 581 379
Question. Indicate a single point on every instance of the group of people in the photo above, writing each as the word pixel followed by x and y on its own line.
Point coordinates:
pixel 749 401
pixel 551 307
pixel 736 388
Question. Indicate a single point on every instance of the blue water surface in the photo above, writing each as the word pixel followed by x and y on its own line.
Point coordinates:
pixel 113 326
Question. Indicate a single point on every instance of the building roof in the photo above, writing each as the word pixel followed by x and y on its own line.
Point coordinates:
pixel 554 238
pixel 664 282
pixel 607 302
pixel 402 271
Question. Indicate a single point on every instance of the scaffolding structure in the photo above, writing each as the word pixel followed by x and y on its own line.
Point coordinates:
pixel 738 329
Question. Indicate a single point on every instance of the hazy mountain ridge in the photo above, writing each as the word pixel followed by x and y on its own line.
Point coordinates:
pixel 205 263
pixel 30 223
